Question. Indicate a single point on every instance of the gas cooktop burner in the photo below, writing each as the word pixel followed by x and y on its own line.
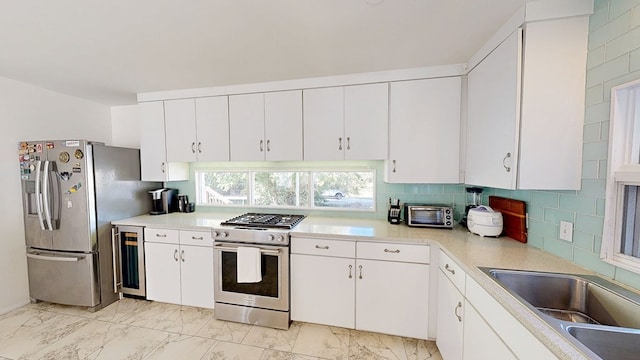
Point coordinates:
pixel 261 220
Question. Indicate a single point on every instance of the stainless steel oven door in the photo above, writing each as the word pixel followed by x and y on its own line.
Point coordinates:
pixel 270 293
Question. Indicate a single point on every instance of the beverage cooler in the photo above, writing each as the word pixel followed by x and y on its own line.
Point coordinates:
pixel 128 241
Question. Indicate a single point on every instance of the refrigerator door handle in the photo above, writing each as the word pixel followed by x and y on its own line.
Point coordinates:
pixel 45 195
pixel 55 258
pixel 39 194
pixel 117 276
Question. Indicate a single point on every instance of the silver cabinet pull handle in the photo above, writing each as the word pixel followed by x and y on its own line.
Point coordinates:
pixel 268 145
pixel 199 147
pixel 261 143
pixel 504 162
pixel 348 143
pixel 394 166
pixel 350 267
pixel 340 143
pixel 182 255
pixel 193 147
pixel 196 238
pixel 162 167
pixel 161 235
pixel 360 268
pixel 175 255
pixel 455 311
pixel 396 251
pixel 322 247
pixel 449 269
pixel 114 253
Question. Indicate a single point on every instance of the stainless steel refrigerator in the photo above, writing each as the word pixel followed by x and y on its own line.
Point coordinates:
pixel 71 192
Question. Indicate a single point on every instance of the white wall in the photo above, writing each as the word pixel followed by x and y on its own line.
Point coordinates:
pixel 125 127
pixel 31 113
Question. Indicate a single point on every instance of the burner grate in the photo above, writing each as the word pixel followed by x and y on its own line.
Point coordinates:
pixel 278 221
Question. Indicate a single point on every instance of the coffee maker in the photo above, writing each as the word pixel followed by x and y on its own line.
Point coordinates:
pixel 163 201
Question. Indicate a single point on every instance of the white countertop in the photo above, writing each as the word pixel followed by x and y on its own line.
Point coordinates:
pixel 468 250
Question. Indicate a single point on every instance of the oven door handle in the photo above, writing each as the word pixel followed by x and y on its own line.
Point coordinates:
pixel 235 248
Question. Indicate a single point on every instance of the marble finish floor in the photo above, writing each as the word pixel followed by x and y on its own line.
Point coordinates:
pixel 138 329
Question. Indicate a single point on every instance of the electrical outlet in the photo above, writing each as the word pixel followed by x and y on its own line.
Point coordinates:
pixel 566 231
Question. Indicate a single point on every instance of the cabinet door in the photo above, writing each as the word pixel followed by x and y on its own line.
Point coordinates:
pixel 163 272
pixel 212 126
pixel 283 125
pixel 366 121
pixel 196 273
pixel 323 290
pixel 424 131
pixel 494 116
pixel 480 340
pixel 152 146
pixel 450 313
pixel 180 125
pixel 246 127
pixel 392 298
pixel 324 124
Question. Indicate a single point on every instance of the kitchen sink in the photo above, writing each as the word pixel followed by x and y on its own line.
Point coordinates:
pixel 588 310
pixel 608 343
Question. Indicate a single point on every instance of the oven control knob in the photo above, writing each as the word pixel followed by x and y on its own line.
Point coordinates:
pixel 224 234
pixel 270 237
pixel 215 234
pixel 280 238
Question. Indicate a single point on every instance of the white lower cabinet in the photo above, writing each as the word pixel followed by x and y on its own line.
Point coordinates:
pixel 472 325
pixel 450 313
pixel 322 290
pixel 386 292
pixel 179 266
pixel 480 341
pixel 392 298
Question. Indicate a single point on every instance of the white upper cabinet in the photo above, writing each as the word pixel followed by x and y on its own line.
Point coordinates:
pixel 197 129
pixel 212 128
pixel 424 131
pixel 153 152
pixel 180 125
pixel 266 126
pixel 283 125
pixel 346 123
pixel 526 104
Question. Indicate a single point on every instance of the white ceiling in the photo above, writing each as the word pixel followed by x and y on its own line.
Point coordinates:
pixel 108 51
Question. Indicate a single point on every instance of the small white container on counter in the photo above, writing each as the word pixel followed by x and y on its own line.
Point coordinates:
pixel 485 221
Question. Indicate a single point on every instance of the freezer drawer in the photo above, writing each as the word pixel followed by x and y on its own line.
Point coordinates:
pixel 63 278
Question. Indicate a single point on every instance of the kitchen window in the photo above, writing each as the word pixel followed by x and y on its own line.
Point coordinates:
pixel 621 234
pixel 317 189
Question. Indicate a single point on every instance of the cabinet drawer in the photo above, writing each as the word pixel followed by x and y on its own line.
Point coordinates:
pixel 394 252
pixel 323 247
pixel 196 238
pixel 168 236
pixel 452 271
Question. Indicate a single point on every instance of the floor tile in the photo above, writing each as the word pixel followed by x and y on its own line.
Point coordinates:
pixel 224 330
pixel 38 329
pixel 284 355
pixel 140 329
pixel 322 341
pixel 184 320
pixel 182 347
pixel 230 351
pixel 85 343
pixel 268 338
pixel 366 345
pixel 421 349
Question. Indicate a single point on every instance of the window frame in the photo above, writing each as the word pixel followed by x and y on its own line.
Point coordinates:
pixel 623 171
pixel 198 175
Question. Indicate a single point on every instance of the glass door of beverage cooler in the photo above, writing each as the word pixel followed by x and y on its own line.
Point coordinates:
pixel 128 244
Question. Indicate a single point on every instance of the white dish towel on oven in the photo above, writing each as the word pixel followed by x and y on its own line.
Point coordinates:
pixel 249 265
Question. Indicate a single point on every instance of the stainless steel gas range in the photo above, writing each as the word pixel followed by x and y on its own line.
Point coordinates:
pixel 258 242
